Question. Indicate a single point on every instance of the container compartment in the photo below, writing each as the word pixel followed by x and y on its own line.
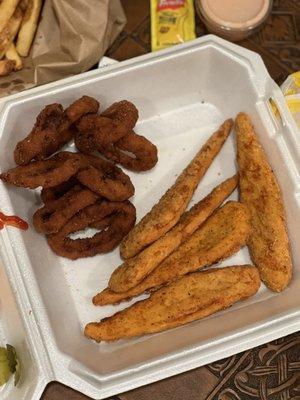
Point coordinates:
pixel 183 94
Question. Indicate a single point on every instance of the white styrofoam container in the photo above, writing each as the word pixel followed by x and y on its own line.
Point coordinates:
pixel 183 94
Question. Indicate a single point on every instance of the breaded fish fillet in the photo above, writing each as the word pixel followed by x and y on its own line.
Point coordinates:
pixel 166 213
pixel 189 298
pixel 268 242
pixel 135 269
pixel 222 235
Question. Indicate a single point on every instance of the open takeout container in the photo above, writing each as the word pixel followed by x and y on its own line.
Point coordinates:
pixel 183 94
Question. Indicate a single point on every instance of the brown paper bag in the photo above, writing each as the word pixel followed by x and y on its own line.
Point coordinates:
pixel 71 37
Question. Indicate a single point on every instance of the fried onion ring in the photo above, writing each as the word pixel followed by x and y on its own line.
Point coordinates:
pixel 111 134
pixel 80 107
pixel 132 151
pixel 88 128
pixel 107 128
pixel 42 138
pixel 124 115
pixel 46 173
pixel 52 216
pixel 115 219
pixel 106 179
pixel 101 176
pixel 56 192
pixel 52 130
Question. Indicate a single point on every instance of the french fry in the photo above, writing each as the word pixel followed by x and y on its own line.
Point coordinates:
pixel 6 67
pixel 7 9
pixel 10 31
pixel 28 27
pixel 12 55
pixel 23 5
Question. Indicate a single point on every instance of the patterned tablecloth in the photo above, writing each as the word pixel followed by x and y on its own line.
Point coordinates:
pixel 268 372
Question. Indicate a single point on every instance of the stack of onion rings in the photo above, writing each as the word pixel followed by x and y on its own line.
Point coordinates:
pixel 79 189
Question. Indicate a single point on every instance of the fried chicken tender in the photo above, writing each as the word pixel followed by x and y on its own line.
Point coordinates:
pixel 222 235
pixel 166 213
pixel 268 242
pixel 135 269
pixel 189 298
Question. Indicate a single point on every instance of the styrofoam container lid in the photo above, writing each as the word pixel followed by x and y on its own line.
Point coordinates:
pixel 209 80
pixel 233 14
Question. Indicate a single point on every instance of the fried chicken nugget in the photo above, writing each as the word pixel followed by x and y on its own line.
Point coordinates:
pixel 135 269
pixel 222 235
pixel 166 213
pixel 189 298
pixel 268 242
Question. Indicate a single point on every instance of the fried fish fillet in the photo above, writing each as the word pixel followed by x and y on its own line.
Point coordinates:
pixel 166 213
pixel 135 269
pixel 189 298
pixel 222 235
pixel 268 242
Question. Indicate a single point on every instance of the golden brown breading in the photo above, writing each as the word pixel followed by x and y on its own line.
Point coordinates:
pixel 166 213
pixel 135 269
pixel 222 235
pixel 268 242
pixel 189 298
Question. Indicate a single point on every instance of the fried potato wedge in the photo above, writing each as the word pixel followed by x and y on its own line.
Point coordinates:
pixel 23 5
pixel 11 54
pixel 222 235
pixel 268 242
pixel 166 213
pixel 135 269
pixel 189 298
pixel 10 31
pixel 28 27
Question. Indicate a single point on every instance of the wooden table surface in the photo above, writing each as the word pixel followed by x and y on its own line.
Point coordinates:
pixel 268 372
